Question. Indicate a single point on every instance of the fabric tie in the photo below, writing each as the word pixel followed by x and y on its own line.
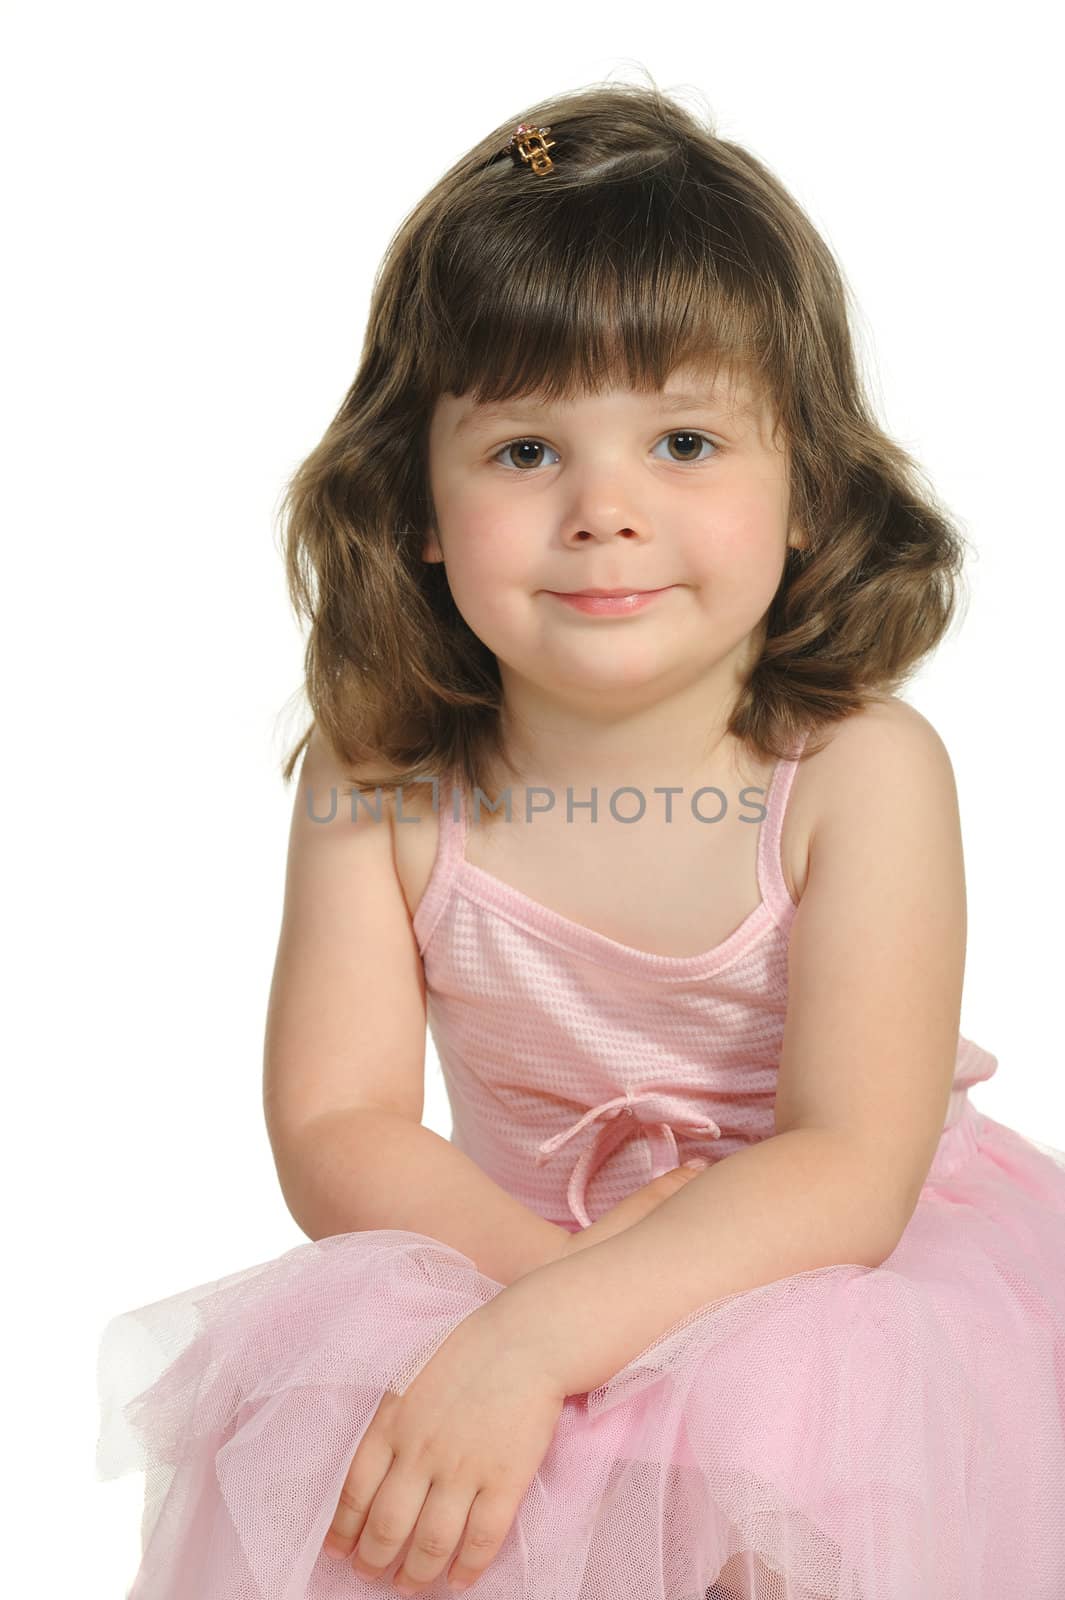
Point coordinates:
pixel 656 1112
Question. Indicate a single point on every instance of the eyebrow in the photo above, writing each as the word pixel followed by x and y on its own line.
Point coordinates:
pixel 485 415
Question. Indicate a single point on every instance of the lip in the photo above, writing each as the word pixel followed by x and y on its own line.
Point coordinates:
pixel 609 602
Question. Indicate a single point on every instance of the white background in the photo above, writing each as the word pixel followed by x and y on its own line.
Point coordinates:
pixel 196 199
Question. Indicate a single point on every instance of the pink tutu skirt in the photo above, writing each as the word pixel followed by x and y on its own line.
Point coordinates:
pixel 848 1433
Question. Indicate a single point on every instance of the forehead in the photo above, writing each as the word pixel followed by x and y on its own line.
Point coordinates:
pixel 731 398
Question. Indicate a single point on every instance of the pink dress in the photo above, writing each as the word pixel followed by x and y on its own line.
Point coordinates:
pixel 848 1433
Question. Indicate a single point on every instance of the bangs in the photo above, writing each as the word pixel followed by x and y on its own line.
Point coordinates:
pixel 523 298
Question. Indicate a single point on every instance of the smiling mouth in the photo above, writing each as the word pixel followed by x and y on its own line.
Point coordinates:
pixel 605 594
pixel 616 603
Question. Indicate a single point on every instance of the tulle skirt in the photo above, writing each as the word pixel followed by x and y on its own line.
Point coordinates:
pixel 847 1433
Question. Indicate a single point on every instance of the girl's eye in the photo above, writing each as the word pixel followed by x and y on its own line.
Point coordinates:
pixel 691 439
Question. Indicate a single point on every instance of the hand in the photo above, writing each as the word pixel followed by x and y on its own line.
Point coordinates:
pixel 632 1209
pixel 447 1463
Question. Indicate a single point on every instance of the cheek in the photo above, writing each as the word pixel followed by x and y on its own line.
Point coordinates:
pixel 749 555
pixel 488 549
pixel 737 563
pixel 741 544
pixel 489 578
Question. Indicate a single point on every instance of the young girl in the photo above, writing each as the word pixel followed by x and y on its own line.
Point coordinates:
pixel 613 579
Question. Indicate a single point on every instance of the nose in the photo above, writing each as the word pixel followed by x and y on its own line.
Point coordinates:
pixel 603 501
pixel 582 535
pixel 598 509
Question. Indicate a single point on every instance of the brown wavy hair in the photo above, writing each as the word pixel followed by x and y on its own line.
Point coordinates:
pixel 652 243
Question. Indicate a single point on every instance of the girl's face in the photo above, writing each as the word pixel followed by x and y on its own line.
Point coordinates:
pixel 619 490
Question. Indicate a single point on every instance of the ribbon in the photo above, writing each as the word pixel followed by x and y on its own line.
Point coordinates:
pixel 651 1111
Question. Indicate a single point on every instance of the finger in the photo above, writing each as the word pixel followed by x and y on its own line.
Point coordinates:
pixel 367 1472
pixel 491 1515
pixel 437 1534
pixel 395 1511
pixel 677 1177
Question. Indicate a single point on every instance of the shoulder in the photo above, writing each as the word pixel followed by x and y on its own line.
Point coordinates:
pixel 357 791
pixel 885 743
pixel 322 762
pixel 884 758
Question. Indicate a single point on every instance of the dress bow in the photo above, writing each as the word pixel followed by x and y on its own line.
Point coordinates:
pixel 656 1112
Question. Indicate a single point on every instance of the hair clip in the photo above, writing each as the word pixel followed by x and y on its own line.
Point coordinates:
pixel 532 145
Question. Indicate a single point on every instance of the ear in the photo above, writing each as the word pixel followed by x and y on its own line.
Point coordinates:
pixel 431 550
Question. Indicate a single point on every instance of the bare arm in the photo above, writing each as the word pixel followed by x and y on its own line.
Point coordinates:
pixel 356 1170
pixel 794 1202
pixel 344 1051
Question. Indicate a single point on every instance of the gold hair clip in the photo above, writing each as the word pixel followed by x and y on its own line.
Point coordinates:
pixel 532 145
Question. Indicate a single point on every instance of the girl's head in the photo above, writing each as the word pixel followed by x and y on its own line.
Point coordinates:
pixel 683 490
pixel 514 428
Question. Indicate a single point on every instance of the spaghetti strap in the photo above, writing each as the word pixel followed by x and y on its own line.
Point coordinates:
pixel 771 880
pixel 449 806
